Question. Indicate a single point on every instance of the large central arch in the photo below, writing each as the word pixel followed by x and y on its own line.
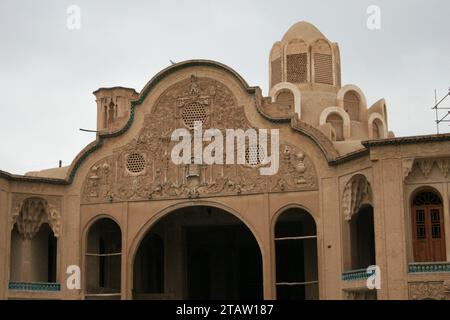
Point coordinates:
pixel 197 252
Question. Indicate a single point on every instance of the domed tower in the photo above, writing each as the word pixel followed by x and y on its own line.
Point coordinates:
pixel 305 80
pixel 305 58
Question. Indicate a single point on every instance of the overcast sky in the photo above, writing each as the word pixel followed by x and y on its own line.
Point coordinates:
pixel 48 72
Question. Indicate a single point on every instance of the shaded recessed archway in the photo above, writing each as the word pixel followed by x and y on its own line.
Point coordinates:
pixel 198 252
pixel 295 235
pixel 103 258
pixel 362 238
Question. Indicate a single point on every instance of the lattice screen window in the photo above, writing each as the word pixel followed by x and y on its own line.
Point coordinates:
pixel 135 163
pixel 297 71
pixel 254 154
pixel 193 112
pixel 323 68
pixel 276 71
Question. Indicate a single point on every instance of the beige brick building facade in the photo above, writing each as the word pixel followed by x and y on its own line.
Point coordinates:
pixel 347 195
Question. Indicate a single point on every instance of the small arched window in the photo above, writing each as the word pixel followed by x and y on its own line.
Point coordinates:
pixel 112 112
pixel 338 125
pixel 275 65
pixel 285 101
pixel 351 105
pixel 377 129
pixel 297 62
pixel 323 63
pixel 105 117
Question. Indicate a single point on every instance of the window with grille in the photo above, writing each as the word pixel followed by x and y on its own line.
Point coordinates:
pixel 135 163
pixel 192 113
pixel 323 68
pixel 420 224
pixel 254 154
pixel 435 223
pixel 296 65
pixel 276 71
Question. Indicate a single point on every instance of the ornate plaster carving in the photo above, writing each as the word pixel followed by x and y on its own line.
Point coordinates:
pixel 407 165
pixel 427 290
pixel 444 166
pixel 30 212
pixel 425 165
pixel 356 192
pixel 108 180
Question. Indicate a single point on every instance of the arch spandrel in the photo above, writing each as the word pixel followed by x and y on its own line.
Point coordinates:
pixel 249 97
pixel 153 175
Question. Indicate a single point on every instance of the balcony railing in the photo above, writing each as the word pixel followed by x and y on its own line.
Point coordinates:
pixel 355 275
pixel 34 286
pixel 428 267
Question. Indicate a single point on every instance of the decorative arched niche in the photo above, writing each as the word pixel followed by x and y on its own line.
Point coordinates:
pixel 377 126
pixel 35 227
pixel 286 87
pixel 322 57
pixel 276 64
pixel 297 64
pixel 353 101
pixel 339 120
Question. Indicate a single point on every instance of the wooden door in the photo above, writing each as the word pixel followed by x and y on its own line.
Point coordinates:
pixel 428 233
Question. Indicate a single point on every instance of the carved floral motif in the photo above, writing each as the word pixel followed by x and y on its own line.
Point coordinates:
pixel 108 179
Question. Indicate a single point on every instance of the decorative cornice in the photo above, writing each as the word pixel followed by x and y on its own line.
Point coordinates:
pixel 407 140
pixel 21 178
pixel 114 88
